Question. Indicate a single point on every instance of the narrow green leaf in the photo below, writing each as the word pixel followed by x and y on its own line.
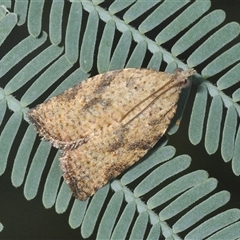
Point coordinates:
pixel 124 222
pixel 7 25
pixel 230 232
pixel 36 169
pixel 160 174
pixel 96 2
pixel 213 224
pixel 3 11
pixel 63 198
pixel 220 63
pixel 229 132
pixel 182 21
pixel 52 183
pixel 176 187
pixel 119 57
pixel 171 66
pixel 73 32
pixel 20 51
pixel 32 68
pixel 6 3
pixel 75 78
pixel 155 61
pixel 201 210
pixel 50 76
pixel 88 42
pixel 137 57
pixel 137 9
pixel 155 157
pixel 93 210
pixel 77 213
pixel 230 78
pixel 236 154
pixel 198 114
pixel 154 233
pixel 22 157
pixel 166 9
pixel 199 30
pixel 188 198
pixel 20 8
pixel 110 216
pixel 140 226
pixel 226 34
pixel 119 5
pixel 7 137
pixel 214 125
pixel 105 47
pixel 180 110
pixel 55 21
pixel 35 12
pixel 236 95
pixel 3 107
pixel 1 227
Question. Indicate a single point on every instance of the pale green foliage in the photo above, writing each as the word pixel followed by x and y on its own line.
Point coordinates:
pixel 75 52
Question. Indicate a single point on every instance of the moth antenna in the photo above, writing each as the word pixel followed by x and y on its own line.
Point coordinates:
pixel 161 88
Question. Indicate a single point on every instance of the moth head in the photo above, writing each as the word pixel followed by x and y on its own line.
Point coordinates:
pixel 183 76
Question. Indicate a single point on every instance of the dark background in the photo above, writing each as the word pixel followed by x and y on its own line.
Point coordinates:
pixel 24 219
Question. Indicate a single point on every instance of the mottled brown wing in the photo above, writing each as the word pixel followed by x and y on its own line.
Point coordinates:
pixel 108 122
pixel 117 147
pixel 73 117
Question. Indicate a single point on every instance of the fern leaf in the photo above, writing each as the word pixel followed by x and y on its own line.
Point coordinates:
pixel 77 213
pixel 89 39
pixel 201 210
pixel 52 183
pixel 123 224
pixel 227 33
pixel 161 174
pixel 20 8
pixel 139 226
pixel 229 132
pixel 119 5
pixel 213 125
pixel 35 17
pixel 32 68
pixel 181 22
pixel 20 51
pixel 92 212
pixel 215 223
pixel 7 137
pixel 119 57
pixel 51 75
pixel 73 33
pixel 22 157
pixel 137 10
pixel 104 50
pixel 236 154
pixel 35 171
pixel 176 187
pixel 210 21
pixel 63 198
pixel 230 232
pixel 110 215
pixel 55 22
pixel 198 114
pixel 161 13
pixel 7 24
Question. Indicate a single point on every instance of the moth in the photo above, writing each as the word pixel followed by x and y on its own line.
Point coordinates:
pixel 108 122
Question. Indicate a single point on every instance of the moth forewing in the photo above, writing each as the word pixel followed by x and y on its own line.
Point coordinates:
pixel 107 123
